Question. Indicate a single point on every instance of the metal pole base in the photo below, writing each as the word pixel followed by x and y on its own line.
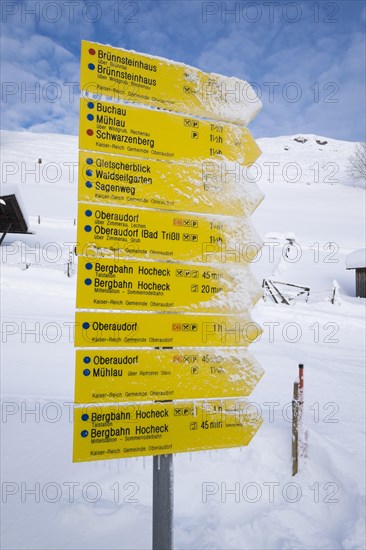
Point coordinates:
pixel 162 502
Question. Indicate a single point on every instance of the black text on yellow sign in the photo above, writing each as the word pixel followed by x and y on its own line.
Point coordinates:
pixel 141 78
pixel 161 286
pixel 138 233
pixel 148 375
pixel 120 431
pixel 145 133
pixel 94 329
pixel 210 186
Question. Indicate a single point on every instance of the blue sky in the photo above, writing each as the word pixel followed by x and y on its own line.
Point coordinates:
pixel 305 59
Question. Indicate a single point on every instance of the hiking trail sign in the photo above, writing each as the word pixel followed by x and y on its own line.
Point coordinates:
pixel 157 82
pixel 123 375
pixel 144 429
pixel 164 243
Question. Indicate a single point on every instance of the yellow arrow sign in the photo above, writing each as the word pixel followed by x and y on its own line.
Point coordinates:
pixel 130 232
pixel 148 375
pixel 158 286
pixel 163 329
pixel 132 76
pixel 141 132
pixel 119 431
pixel 210 187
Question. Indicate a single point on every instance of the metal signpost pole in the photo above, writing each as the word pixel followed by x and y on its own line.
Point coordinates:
pixel 162 534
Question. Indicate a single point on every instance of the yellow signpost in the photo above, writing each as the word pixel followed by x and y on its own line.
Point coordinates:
pixel 207 187
pixel 122 375
pixel 136 233
pixel 164 203
pixel 95 329
pixel 119 431
pixel 162 365
pixel 141 78
pixel 162 286
pixel 145 133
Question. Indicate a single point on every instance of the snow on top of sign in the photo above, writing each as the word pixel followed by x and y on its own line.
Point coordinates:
pixel 240 105
pixel 232 107
pixel 243 295
pixel 232 181
pixel 356 259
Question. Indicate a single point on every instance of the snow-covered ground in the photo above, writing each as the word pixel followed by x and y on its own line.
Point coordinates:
pixel 229 499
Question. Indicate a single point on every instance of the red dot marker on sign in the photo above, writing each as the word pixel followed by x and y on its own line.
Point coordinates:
pixel 92 51
pixel 90 132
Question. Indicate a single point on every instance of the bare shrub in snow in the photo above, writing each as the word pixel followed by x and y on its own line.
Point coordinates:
pixel 357 162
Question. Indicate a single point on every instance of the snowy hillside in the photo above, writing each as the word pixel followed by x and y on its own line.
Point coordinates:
pixel 230 499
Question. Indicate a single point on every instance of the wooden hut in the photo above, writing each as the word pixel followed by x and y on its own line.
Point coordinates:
pixel 357 261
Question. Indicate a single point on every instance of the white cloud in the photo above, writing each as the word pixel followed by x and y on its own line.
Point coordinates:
pixel 35 71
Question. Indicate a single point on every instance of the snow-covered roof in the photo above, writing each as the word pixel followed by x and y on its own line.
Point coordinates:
pixel 356 259
pixel 10 189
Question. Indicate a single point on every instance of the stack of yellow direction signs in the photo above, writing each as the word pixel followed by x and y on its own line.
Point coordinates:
pixel 164 240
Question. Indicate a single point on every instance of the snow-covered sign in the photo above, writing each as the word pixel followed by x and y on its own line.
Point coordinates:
pixel 109 375
pixel 164 428
pixel 149 183
pixel 357 259
pixel 101 329
pixel 138 219
pixel 141 78
pixel 135 285
pixel 122 233
pixel 147 133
